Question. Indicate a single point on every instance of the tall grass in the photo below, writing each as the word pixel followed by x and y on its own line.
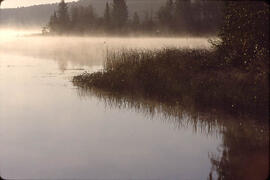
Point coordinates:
pixel 197 76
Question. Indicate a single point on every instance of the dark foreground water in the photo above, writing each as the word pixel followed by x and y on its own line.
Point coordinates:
pixel 51 129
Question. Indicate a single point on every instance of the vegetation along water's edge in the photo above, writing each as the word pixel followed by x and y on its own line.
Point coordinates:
pixel 174 75
pixel 232 76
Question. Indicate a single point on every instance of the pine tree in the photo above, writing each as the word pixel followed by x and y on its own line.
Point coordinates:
pixel 165 14
pixel 90 17
pixel 53 23
pixel 86 19
pixel 74 17
pixel 107 16
pixel 148 22
pixel 182 16
pixel 119 13
pixel 63 16
pixel 136 21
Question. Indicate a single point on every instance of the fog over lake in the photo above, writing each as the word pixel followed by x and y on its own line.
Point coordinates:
pixel 51 129
pixel 85 50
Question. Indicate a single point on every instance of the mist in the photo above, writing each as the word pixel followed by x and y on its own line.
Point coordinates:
pixel 84 50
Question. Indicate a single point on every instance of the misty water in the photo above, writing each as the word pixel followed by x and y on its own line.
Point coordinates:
pixel 51 129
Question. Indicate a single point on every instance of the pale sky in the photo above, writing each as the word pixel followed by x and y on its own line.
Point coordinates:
pixel 20 3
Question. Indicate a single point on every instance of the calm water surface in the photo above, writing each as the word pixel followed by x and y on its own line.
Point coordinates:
pixel 51 129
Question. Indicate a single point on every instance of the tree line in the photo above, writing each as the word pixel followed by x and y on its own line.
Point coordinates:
pixel 174 17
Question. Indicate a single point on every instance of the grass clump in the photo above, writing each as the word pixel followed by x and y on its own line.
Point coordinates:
pixel 193 76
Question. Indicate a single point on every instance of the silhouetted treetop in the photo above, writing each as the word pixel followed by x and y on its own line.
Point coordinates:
pixel 119 13
pixel 174 17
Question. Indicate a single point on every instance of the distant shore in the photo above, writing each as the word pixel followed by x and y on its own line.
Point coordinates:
pixel 133 35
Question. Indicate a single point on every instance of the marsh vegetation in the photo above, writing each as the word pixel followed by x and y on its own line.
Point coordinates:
pixel 179 76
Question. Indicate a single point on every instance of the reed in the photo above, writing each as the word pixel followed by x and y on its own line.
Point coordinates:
pixel 182 75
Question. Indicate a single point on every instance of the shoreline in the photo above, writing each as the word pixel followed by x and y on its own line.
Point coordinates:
pixel 177 75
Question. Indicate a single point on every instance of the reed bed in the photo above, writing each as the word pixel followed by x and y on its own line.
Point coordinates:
pixel 185 76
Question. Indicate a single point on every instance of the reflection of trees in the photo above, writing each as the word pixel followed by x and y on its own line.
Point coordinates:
pixel 244 151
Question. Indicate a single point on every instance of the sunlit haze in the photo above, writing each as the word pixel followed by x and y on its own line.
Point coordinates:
pixel 21 3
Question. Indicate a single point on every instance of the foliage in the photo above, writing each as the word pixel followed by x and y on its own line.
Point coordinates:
pixel 245 36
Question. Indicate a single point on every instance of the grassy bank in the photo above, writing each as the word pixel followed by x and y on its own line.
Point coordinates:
pixel 173 75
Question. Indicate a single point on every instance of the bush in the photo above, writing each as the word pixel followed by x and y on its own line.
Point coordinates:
pixel 244 36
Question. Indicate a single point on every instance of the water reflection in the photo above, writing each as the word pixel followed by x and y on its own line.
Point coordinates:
pixel 171 113
pixel 243 153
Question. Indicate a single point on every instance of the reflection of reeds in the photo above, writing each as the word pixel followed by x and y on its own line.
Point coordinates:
pixel 172 113
pixel 175 113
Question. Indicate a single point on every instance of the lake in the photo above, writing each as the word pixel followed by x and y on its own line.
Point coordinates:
pixel 52 129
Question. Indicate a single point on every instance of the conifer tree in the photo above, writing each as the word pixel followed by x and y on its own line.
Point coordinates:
pixel 53 23
pixel 165 14
pixel 182 15
pixel 136 21
pixel 74 17
pixel 63 16
pixel 148 22
pixel 107 16
pixel 119 13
